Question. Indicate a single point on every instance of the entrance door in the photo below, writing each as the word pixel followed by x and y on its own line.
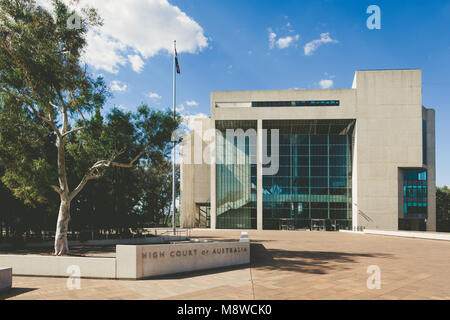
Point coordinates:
pixel 202 220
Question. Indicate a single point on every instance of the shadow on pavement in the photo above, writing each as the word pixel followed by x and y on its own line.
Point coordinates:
pixel 316 262
pixel 15 292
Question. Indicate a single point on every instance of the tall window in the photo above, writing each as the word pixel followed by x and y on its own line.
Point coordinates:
pixel 236 175
pixel 415 190
pixel 424 141
pixel 314 178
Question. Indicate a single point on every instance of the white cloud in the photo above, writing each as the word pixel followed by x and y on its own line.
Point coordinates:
pixel 136 63
pixel 145 28
pixel 104 53
pixel 118 86
pixel 281 43
pixel 312 46
pixel 325 83
pixel 272 37
pixel 287 41
pixel 188 120
pixel 180 108
pixel 192 103
pixel 153 95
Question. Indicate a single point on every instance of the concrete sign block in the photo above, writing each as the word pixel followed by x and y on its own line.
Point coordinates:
pixel 137 262
pixel 5 279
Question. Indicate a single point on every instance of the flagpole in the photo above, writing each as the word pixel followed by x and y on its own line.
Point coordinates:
pixel 174 143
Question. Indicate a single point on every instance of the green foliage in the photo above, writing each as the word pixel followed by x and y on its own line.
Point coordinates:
pixel 41 81
pixel 155 193
pixel 39 70
pixel 443 208
pixel 125 196
pixel 27 154
pixel 39 60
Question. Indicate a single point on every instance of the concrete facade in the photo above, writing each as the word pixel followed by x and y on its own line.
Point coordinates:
pixel 389 137
pixel 196 183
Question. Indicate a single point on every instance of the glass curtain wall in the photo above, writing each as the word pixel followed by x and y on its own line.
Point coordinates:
pixel 236 174
pixel 415 190
pixel 313 183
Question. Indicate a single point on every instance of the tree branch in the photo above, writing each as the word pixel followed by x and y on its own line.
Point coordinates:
pixel 95 172
pixel 77 129
pixel 57 189
pixel 55 106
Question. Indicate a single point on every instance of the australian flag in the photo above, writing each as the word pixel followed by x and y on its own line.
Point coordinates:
pixel 176 62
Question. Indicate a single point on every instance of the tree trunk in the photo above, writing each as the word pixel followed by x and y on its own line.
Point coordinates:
pixel 61 243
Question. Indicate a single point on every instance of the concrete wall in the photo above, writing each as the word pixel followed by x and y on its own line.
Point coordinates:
pixel 34 265
pixel 389 118
pixel 137 262
pixel 195 172
pixel 346 110
pixel 5 279
pixel 387 106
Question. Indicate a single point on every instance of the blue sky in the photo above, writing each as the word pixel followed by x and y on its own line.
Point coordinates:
pixel 225 45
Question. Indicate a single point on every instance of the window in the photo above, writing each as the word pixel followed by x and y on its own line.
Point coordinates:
pixel 415 190
pixel 236 181
pixel 304 103
pixel 424 141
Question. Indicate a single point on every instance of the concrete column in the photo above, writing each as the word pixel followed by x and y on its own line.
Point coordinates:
pixel 213 179
pixel 429 116
pixel 355 180
pixel 187 177
pixel 259 178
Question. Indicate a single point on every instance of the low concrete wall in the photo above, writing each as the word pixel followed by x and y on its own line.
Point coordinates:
pixel 34 265
pixel 5 279
pixel 412 234
pixel 137 262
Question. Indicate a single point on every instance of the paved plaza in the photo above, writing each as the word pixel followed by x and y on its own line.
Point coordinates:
pixel 284 265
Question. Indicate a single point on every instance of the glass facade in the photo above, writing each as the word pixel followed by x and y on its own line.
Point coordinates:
pixel 236 175
pixel 415 190
pixel 311 187
pixel 313 183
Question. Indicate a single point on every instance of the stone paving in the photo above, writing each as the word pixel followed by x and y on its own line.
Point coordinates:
pixel 284 265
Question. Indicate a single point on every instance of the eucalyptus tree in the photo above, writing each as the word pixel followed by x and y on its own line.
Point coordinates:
pixel 44 84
